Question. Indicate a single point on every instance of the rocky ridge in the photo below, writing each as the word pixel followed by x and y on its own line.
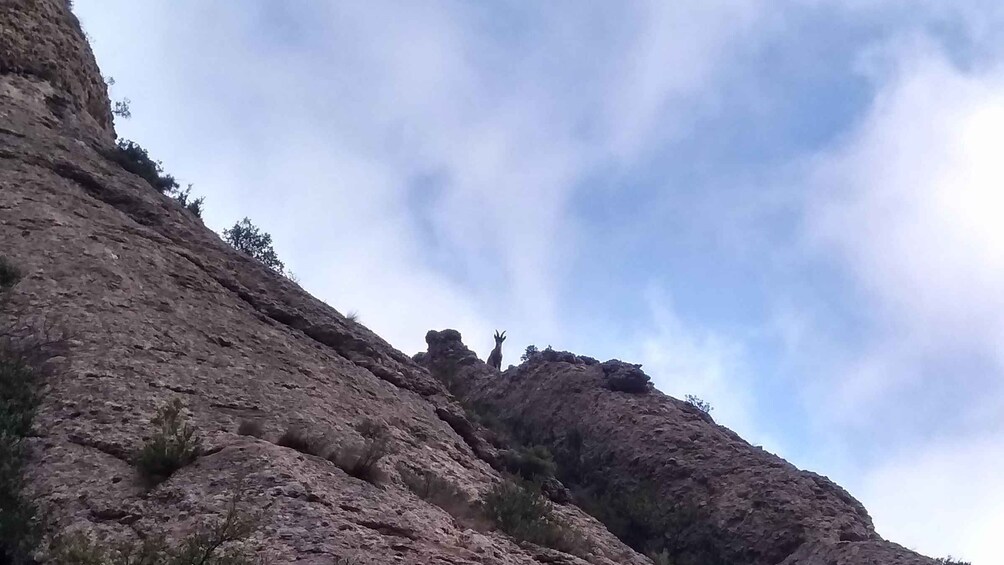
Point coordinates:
pixel 721 499
pixel 158 309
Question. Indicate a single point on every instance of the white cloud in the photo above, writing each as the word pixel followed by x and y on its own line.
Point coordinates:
pixel 687 359
pixel 675 53
pixel 946 499
pixel 911 203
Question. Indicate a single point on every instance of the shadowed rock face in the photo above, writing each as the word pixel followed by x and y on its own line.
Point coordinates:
pixel 719 499
pixel 159 308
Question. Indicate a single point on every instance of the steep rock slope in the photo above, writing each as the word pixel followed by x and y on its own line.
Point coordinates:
pixel 159 308
pixel 714 498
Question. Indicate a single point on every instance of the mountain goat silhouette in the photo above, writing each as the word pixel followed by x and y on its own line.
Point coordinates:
pixel 495 358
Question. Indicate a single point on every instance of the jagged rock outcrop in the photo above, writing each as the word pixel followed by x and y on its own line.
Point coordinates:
pixel 625 377
pixel 159 308
pixel 41 43
pixel 717 498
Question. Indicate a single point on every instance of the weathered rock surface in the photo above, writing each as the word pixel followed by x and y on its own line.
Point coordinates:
pixel 741 504
pixel 41 40
pixel 159 308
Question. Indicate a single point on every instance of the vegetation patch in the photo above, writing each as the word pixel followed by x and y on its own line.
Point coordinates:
pixel 519 509
pixel 184 198
pixel 253 428
pixel 530 463
pixel 18 402
pixel 533 352
pixel 444 494
pixel 699 403
pixel 133 158
pixel 362 460
pixel 221 543
pixel 634 518
pixel 300 440
pixel 174 445
pixel 633 515
pixel 451 379
pixel 666 531
pixel 530 353
pixel 514 506
pixel 19 399
pixel 255 243
pixel 9 274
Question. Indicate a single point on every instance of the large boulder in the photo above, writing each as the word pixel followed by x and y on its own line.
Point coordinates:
pixel 625 377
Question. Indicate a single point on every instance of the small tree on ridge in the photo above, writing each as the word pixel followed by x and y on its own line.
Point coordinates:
pixel 249 239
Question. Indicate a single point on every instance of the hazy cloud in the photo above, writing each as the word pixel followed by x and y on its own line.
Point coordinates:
pixel 911 204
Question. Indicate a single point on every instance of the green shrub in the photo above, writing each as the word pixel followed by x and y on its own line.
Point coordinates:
pixel 530 353
pixel 217 544
pixel 133 158
pixel 700 404
pixel 79 549
pixel 300 440
pixel 530 463
pixel 570 457
pixel 444 494
pixel 174 445
pixel 636 519
pixel 203 547
pixel 950 561
pixel 9 274
pixel 650 524
pixel 250 240
pixel 122 108
pixel 252 428
pixel 18 402
pixel 520 510
pixel 361 461
pixel 184 198
pixel 20 347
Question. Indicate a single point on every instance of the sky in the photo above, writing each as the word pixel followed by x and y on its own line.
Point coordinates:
pixel 791 209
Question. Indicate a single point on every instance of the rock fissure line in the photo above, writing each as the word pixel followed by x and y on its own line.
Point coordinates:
pixel 109 449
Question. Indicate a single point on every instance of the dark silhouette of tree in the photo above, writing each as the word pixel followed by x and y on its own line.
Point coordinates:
pixel 248 239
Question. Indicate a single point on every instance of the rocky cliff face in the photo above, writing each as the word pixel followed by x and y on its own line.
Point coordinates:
pixel 157 308
pixel 41 43
pixel 683 484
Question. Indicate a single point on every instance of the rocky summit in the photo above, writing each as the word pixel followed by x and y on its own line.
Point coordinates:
pixel 172 399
